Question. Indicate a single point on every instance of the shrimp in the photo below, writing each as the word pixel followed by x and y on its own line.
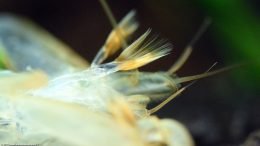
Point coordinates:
pixel 97 100
pixel 34 119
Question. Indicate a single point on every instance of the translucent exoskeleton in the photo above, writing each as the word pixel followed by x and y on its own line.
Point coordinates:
pixel 105 101
pixel 33 119
pixel 23 48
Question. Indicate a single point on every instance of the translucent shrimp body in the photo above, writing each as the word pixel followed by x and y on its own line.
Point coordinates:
pixel 88 87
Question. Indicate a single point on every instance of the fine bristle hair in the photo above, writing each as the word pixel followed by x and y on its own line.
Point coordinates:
pixel 142 52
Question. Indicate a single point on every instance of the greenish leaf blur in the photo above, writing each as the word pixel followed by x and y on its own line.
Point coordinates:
pixel 3 59
pixel 238 28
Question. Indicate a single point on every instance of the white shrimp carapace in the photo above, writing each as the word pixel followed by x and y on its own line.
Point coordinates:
pixel 28 118
pixel 102 105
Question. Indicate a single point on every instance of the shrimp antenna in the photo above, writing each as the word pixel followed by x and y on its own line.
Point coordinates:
pixel 112 19
pixel 162 104
pixel 207 74
pixel 188 49
pixel 117 37
pixel 194 81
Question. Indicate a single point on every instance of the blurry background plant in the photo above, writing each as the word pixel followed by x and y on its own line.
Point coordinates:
pixel 219 110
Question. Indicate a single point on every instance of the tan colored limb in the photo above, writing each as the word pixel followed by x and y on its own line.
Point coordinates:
pixel 207 74
pixel 182 59
pixel 158 107
pixel 187 51
pixel 162 104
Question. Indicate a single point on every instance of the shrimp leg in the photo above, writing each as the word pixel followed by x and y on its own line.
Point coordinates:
pixel 188 49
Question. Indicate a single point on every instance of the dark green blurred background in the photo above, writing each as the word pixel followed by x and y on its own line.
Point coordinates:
pixel 220 110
